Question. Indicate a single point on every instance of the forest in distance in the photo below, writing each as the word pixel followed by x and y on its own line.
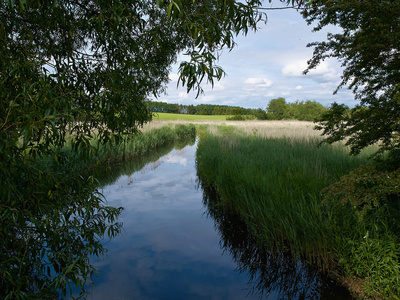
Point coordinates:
pixel 276 109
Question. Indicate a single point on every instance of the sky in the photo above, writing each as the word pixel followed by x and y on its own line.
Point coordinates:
pixel 269 64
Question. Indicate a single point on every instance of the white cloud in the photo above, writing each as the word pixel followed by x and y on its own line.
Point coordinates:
pixel 294 69
pixel 218 86
pixel 176 159
pixel 299 87
pixel 260 82
pixel 206 99
pixel 326 71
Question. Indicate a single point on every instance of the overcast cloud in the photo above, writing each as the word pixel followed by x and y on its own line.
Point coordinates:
pixel 269 64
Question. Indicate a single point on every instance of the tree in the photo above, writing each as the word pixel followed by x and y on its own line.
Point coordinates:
pixel 307 111
pixel 369 49
pixel 260 114
pixel 278 109
pixel 72 71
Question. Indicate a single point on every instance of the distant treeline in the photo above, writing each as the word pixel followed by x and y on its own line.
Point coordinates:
pixel 277 109
pixel 201 109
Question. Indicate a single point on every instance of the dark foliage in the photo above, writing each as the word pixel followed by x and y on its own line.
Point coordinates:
pixel 369 49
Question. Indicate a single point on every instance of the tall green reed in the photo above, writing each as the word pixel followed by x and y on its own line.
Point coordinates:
pixel 130 147
pixel 274 184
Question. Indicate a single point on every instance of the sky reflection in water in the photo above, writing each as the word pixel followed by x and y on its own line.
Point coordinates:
pixel 169 248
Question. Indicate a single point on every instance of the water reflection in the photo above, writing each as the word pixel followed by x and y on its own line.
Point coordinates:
pixel 272 275
pixel 150 160
pixel 170 248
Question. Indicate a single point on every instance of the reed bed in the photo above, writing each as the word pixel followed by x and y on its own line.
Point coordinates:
pixel 275 185
pixel 148 139
pixel 273 175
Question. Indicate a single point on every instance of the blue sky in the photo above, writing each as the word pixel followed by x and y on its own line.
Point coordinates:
pixel 268 64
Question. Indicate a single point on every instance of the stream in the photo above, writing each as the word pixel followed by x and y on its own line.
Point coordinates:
pixel 175 244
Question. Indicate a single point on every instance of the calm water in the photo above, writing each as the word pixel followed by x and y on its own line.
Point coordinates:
pixel 176 245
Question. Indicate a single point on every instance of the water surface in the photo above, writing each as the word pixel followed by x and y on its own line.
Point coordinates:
pixel 175 246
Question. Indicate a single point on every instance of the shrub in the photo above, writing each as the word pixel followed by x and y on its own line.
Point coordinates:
pixel 364 210
pixel 364 190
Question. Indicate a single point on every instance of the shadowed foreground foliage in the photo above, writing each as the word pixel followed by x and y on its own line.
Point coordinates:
pixel 72 72
pixel 56 218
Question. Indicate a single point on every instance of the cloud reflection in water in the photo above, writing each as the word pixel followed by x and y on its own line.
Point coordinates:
pixel 171 244
pixel 168 249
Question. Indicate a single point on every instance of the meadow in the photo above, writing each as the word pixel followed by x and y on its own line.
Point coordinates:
pixel 170 116
pixel 261 128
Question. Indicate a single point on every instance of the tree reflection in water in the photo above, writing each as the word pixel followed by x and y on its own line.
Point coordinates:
pixel 272 275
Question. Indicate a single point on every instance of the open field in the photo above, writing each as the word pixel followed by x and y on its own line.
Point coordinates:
pixel 265 128
pixel 168 116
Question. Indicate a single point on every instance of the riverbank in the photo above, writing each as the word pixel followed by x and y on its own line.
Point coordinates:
pixel 275 183
pixel 148 139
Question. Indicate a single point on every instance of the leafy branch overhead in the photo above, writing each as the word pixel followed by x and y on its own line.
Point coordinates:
pixel 211 26
pixel 369 49
pixel 74 71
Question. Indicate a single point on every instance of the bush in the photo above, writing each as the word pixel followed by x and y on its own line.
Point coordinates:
pixel 365 190
pixel 364 222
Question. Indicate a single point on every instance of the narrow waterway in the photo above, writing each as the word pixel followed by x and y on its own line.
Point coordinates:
pixel 175 246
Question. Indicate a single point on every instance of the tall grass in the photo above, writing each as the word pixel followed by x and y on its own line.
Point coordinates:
pixel 134 146
pixel 274 177
pixel 274 184
pixel 265 128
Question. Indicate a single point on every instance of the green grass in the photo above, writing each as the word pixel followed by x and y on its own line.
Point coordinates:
pixel 168 116
pixel 131 147
pixel 276 185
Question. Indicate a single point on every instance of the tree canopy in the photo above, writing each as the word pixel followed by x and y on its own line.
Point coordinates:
pixel 369 49
pixel 97 62
pixel 72 71
pixel 200 109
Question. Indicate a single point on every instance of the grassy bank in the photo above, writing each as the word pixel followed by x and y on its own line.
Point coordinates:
pixel 149 139
pixel 275 184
